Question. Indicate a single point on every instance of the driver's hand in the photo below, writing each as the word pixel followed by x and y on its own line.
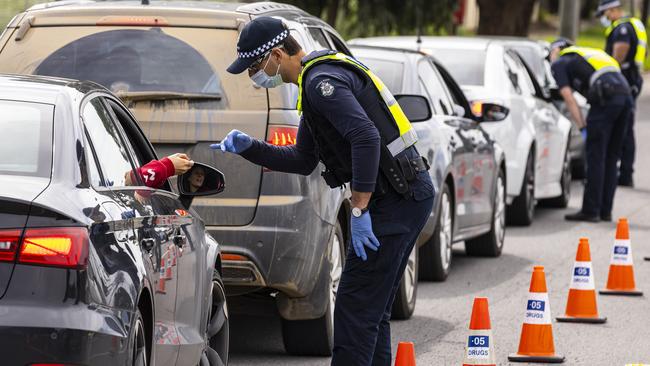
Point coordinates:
pixel 182 163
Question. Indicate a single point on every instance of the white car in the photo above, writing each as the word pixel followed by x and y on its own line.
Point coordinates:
pixel 534 135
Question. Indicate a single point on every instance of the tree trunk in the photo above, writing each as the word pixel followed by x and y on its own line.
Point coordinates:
pixel 644 11
pixel 499 20
pixel 332 12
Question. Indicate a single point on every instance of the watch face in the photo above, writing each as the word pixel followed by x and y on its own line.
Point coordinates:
pixel 356 212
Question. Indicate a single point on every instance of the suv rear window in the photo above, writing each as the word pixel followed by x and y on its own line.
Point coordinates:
pixel 26 138
pixel 134 60
pixel 390 72
pixel 466 66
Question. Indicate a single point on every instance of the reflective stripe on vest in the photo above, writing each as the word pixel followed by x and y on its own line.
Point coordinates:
pixel 407 135
pixel 641 36
pixel 598 59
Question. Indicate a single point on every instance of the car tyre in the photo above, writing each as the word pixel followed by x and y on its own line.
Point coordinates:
pixel 404 304
pixel 490 244
pixel 218 327
pixel 138 342
pixel 522 209
pixel 562 201
pixel 315 337
pixel 435 255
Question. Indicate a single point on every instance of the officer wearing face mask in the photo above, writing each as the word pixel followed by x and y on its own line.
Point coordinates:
pixel 627 43
pixel 351 122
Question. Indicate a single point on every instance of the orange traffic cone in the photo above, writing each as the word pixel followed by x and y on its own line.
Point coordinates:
pixel 161 286
pixel 536 342
pixel 405 354
pixel 581 304
pixel 620 280
pixel 479 349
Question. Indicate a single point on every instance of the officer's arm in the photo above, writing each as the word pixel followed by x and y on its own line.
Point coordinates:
pixel 620 51
pixel 333 98
pixel 572 105
pixel 300 158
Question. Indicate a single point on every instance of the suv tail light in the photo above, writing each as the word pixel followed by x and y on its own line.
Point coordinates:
pixel 59 246
pixel 9 240
pixel 282 135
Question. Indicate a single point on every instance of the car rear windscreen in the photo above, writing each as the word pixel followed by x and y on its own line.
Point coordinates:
pixel 135 60
pixel 466 66
pixel 26 138
pixel 390 72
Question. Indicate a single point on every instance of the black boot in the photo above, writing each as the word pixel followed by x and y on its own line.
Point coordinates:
pixel 626 182
pixel 580 216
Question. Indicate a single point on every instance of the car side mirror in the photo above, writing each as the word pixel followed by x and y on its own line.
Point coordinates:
pixel 415 107
pixel 490 112
pixel 459 110
pixel 201 180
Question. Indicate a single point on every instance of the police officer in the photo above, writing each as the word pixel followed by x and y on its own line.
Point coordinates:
pixel 597 76
pixel 627 43
pixel 350 122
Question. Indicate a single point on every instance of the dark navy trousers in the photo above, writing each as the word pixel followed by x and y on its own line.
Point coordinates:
pixel 367 289
pixel 606 128
pixel 629 150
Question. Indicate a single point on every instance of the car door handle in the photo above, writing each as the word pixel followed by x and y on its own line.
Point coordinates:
pixel 148 243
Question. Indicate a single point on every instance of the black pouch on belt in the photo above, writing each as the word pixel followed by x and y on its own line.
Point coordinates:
pixel 411 167
pixel 333 178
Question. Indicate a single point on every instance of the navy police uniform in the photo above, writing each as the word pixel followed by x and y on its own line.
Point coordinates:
pixel 624 31
pixel 352 123
pixel 609 96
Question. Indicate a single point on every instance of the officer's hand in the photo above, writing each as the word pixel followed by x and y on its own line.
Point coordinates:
pixel 362 235
pixel 235 142
pixel 182 163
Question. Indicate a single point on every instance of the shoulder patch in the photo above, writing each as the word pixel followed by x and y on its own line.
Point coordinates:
pixel 325 87
pixel 623 30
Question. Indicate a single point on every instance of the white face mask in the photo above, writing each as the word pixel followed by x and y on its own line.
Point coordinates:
pixel 264 80
pixel 604 21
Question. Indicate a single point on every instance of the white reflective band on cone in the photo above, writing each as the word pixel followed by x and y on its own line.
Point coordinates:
pixel 622 253
pixel 583 276
pixel 538 309
pixel 408 139
pixel 479 349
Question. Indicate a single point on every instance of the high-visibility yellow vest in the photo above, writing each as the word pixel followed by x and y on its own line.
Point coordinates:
pixel 598 59
pixel 641 36
pixel 407 135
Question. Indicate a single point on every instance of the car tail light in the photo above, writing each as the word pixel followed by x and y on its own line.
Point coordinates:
pixel 59 247
pixel 9 240
pixel 282 135
pixel 232 257
pixel 113 20
pixel 477 108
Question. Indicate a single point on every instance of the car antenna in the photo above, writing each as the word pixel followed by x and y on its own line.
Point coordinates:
pixel 418 21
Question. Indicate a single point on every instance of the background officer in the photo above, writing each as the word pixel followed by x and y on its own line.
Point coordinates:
pixel 627 43
pixel 597 76
pixel 352 123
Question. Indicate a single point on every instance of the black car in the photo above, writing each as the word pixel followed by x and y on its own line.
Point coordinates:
pixel 94 271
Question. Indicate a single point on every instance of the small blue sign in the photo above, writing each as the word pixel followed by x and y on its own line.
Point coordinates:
pixel 581 271
pixel 479 341
pixel 536 305
pixel 620 250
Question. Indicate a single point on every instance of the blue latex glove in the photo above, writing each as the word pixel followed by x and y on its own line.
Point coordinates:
pixel 235 142
pixel 583 132
pixel 362 235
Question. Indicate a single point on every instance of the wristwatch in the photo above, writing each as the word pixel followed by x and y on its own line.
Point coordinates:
pixel 357 212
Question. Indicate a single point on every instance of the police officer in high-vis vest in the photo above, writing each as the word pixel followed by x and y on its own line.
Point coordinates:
pixel 350 122
pixel 627 43
pixel 597 76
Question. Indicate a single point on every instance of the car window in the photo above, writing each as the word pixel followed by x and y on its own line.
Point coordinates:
pixel 466 66
pixel 511 73
pixel 26 138
pixel 319 38
pixel 338 44
pixel 390 72
pixel 94 175
pixel 110 150
pixel 436 89
pixel 424 91
pixel 524 78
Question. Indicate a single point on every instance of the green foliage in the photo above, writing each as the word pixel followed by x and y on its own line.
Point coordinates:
pixel 9 8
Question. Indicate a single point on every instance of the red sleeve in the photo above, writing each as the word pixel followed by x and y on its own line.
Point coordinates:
pixel 156 172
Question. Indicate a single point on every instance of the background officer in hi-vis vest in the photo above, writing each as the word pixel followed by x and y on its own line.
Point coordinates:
pixel 627 43
pixel 351 123
pixel 597 76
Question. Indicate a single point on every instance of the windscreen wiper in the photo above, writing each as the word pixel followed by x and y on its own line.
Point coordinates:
pixel 164 95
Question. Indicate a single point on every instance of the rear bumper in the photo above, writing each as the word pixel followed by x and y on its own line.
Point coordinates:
pixel 76 335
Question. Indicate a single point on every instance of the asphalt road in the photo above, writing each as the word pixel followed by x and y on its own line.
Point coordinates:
pixel 439 325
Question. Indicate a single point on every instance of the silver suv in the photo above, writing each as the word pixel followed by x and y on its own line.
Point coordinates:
pixel 283 235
